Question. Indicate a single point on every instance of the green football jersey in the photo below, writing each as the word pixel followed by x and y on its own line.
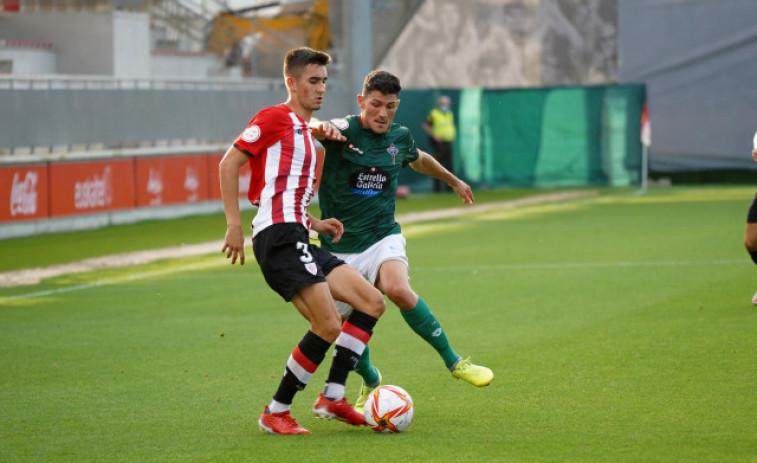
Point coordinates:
pixel 359 182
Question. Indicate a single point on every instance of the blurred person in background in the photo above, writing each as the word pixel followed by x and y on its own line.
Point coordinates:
pixel 440 127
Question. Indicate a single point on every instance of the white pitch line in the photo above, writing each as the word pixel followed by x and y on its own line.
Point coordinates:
pixel 580 265
pixel 35 275
pixel 544 266
pixel 112 281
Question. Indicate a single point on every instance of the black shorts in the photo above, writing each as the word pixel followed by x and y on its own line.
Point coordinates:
pixel 288 261
pixel 752 215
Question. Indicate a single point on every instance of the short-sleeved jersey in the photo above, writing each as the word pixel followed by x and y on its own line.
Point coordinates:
pixel 359 182
pixel 283 164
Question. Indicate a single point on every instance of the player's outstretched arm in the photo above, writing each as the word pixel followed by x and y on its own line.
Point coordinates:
pixel 754 154
pixel 427 165
pixel 464 191
pixel 228 174
pixel 323 130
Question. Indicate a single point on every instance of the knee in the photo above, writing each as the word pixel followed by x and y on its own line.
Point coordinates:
pixel 750 241
pixel 377 304
pixel 751 248
pixel 372 303
pixel 402 296
pixel 328 330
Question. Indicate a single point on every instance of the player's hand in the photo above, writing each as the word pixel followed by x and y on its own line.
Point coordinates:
pixel 330 226
pixel 328 131
pixel 754 154
pixel 464 191
pixel 233 244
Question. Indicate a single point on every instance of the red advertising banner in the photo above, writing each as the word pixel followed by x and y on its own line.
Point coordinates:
pixel 95 186
pixel 42 191
pixel 11 5
pixel 23 193
pixel 214 184
pixel 171 180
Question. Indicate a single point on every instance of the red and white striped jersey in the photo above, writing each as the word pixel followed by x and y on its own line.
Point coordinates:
pixel 283 164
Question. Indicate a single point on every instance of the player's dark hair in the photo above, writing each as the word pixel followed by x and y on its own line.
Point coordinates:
pixel 385 82
pixel 297 58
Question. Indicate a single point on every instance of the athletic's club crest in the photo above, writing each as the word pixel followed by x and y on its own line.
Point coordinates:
pixel 393 152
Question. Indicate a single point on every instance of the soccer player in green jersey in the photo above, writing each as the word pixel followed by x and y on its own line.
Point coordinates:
pixel 364 155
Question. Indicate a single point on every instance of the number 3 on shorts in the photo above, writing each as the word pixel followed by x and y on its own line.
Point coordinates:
pixel 306 257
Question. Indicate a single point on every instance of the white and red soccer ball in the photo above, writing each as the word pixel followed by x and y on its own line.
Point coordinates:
pixel 389 409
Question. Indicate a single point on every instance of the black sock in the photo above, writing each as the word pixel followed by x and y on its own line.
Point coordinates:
pixel 301 365
pixel 349 346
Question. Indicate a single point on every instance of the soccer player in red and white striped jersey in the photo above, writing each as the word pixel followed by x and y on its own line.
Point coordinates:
pixel 278 144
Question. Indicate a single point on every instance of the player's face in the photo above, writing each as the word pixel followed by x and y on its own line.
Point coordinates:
pixel 309 87
pixel 377 110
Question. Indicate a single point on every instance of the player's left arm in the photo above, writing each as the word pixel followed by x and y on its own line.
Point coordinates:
pixel 427 165
pixel 330 226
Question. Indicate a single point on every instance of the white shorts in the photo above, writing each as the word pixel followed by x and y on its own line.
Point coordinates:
pixel 368 262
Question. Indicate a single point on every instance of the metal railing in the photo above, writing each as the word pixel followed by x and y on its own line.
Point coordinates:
pixel 82 82
pixel 71 115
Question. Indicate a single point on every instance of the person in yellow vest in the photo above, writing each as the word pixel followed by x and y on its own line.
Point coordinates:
pixel 440 126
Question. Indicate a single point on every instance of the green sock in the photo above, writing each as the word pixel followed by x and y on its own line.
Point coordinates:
pixel 425 324
pixel 365 369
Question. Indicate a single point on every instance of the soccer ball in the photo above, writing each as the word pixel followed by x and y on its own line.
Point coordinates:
pixel 389 409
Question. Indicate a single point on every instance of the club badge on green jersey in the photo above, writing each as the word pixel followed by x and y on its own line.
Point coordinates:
pixel 393 152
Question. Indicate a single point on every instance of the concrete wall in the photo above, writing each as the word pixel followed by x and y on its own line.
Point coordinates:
pixel 131 44
pixel 182 65
pixel 29 61
pixel 507 43
pixel 88 43
pixel 83 41
pixel 698 62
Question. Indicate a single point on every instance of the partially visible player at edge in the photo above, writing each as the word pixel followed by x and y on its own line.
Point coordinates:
pixel 278 144
pixel 750 238
pixel 364 156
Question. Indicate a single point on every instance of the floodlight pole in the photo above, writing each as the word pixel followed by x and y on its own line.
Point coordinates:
pixel 359 45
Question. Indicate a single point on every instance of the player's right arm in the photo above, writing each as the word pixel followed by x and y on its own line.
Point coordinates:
pixel 228 173
pixel 325 130
pixel 427 165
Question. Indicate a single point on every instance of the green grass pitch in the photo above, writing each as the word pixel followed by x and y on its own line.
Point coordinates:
pixel 619 328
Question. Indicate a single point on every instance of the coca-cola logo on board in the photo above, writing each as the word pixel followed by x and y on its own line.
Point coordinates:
pixel 24 194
